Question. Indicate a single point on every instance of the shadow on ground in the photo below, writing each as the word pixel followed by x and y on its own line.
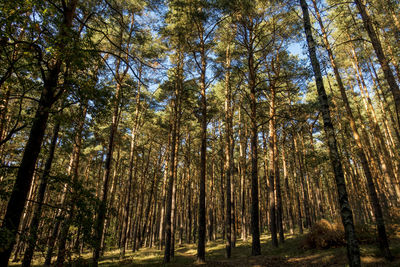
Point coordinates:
pixel 290 253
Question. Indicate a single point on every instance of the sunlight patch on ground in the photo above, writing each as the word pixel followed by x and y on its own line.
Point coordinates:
pixel 291 253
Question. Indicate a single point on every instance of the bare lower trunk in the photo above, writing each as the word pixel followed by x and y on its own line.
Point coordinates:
pixel 228 158
pixel 33 233
pixel 382 237
pixel 368 25
pixel 353 251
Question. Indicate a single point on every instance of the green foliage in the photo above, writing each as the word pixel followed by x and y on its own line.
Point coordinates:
pixel 152 52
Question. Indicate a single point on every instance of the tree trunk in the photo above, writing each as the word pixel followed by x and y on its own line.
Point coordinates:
pixel 255 228
pixel 49 95
pixel 272 171
pixel 102 210
pixel 24 177
pixel 75 176
pixel 353 250
pixel 174 125
pixel 201 251
pixel 382 236
pixel 242 174
pixel 228 147
pixel 368 25
pixel 124 243
pixel 33 233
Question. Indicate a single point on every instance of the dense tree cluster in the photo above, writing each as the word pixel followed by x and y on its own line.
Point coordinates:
pixel 133 123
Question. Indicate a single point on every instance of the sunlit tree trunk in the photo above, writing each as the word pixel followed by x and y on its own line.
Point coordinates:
pixel 273 171
pixel 368 25
pixel 228 148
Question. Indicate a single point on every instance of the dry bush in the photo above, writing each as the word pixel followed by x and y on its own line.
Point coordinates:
pixel 323 235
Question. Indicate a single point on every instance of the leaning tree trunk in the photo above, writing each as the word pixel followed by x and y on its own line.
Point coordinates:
pixel 24 178
pixel 23 181
pixel 382 236
pixel 353 250
pixel 33 232
pixel 383 61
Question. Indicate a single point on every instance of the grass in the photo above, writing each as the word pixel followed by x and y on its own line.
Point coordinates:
pixel 290 253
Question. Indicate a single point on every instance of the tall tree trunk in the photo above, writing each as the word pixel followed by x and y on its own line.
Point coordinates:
pixel 178 136
pixel 124 243
pixel 25 173
pixel 228 147
pixel 303 186
pixel 161 233
pixel 382 236
pixel 33 233
pixel 175 103
pixel 189 187
pixel 222 173
pixel 383 61
pixel 255 228
pixel 272 171
pixel 201 245
pixel 242 173
pixel 353 250
pixel 75 177
pixel 147 218
pixel 49 95
pixel 102 210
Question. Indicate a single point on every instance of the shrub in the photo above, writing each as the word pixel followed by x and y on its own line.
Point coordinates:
pixel 323 235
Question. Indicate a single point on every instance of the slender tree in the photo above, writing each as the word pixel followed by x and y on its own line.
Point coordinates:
pixel 353 250
pixel 382 236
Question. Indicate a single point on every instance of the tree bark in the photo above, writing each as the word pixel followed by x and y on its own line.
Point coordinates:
pixel 383 61
pixel 49 95
pixel 75 177
pixel 228 147
pixel 201 252
pixel 255 228
pixel 24 177
pixel 34 225
pixel 272 171
pixel 375 203
pixel 124 243
pixel 102 210
pixel 175 103
pixel 353 250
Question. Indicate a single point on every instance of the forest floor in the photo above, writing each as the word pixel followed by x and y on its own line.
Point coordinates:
pixel 291 253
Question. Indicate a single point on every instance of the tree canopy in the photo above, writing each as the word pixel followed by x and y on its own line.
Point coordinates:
pixel 127 124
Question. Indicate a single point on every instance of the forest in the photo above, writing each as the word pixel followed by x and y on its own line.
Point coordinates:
pixel 199 132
